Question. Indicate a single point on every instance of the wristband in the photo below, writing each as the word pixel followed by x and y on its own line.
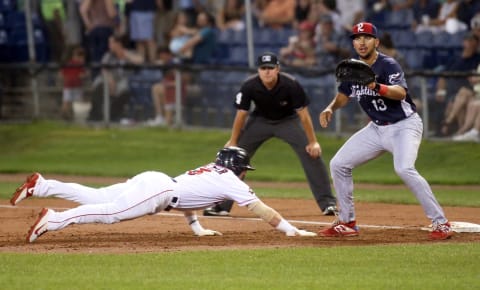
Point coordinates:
pixel 196 227
pixel 285 226
pixel 381 89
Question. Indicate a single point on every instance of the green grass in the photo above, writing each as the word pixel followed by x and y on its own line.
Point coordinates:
pixel 438 266
pixel 446 197
pixel 60 148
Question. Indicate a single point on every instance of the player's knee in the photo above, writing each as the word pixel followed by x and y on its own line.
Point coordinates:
pixel 336 165
pixel 405 172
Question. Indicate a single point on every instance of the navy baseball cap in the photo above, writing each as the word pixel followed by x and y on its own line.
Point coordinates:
pixel 364 28
pixel 267 59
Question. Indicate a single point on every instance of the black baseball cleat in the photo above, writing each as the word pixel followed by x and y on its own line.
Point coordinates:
pixel 214 211
pixel 330 210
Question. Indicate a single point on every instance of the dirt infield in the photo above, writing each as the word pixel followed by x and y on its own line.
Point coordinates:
pixel 380 224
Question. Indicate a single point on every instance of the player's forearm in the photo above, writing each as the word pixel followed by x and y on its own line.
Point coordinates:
pixel 308 127
pixel 272 217
pixel 394 92
pixel 338 102
pixel 237 127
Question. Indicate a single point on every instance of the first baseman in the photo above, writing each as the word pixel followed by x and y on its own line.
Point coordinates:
pixel 151 192
pixel 395 127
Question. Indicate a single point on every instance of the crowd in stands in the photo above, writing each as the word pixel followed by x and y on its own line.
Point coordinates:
pixel 421 34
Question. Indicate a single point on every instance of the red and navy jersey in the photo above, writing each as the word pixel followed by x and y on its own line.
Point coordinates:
pixel 382 110
pixel 282 101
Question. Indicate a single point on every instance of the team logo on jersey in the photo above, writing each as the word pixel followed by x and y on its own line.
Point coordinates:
pixel 395 78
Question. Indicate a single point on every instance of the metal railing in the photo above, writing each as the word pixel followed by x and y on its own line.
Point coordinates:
pixel 209 96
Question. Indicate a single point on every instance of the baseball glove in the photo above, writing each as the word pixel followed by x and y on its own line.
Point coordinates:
pixel 354 71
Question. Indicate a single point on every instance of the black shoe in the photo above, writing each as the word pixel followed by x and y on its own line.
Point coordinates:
pixel 213 211
pixel 330 210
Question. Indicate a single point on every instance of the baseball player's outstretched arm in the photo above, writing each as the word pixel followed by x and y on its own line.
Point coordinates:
pixel 238 123
pixel 272 217
pixel 197 228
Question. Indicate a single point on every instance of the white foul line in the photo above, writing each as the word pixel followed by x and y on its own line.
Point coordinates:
pixel 237 218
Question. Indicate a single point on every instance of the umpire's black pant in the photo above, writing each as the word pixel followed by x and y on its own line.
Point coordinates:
pixel 257 130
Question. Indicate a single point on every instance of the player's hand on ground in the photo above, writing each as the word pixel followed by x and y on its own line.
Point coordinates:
pixel 301 233
pixel 325 117
pixel 207 232
pixel 314 149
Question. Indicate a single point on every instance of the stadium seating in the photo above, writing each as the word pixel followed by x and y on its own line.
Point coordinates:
pixel 7 5
pixel 5 55
pixel 413 57
pixel 404 38
pixel 140 84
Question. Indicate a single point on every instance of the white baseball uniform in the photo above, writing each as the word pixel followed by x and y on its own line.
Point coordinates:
pixel 146 193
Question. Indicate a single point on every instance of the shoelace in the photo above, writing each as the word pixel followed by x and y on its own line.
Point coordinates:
pixel 441 228
pixel 336 222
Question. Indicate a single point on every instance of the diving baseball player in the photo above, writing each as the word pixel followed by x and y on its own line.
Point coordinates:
pixel 151 192
pixel 395 127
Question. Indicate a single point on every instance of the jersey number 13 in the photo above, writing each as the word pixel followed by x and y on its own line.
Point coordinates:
pixel 379 104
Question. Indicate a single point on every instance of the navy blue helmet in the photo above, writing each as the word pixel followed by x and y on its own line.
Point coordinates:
pixel 234 158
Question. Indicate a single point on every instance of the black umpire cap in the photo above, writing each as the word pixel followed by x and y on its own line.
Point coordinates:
pixel 267 59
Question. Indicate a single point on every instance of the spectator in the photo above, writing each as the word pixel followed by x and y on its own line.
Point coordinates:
pixel 466 10
pixel 72 29
pixel 302 12
pixel 73 74
pixel 231 15
pixel 444 21
pixel 462 108
pixel 53 14
pixel 423 11
pixel 471 128
pixel 179 34
pixel 327 7
pixel 163 92
pixel 99 19
pixel 392 5
pixel 141 21
pixel 117 80
pixel 475 27
pixel 191 8
pixel 453 95
pixel 351 12
pixel 276 13
pixel 331 46
pixel 300 51
pixel 164 20
pixel 203 42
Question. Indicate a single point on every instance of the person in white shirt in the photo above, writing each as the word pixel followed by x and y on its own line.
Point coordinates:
pixel 151 192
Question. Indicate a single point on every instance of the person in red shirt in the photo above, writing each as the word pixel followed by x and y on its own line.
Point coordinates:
pixel 72 73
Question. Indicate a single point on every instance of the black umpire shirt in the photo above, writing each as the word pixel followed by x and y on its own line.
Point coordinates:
pixel 280 102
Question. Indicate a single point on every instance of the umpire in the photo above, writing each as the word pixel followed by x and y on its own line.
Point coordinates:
pixel 281 110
